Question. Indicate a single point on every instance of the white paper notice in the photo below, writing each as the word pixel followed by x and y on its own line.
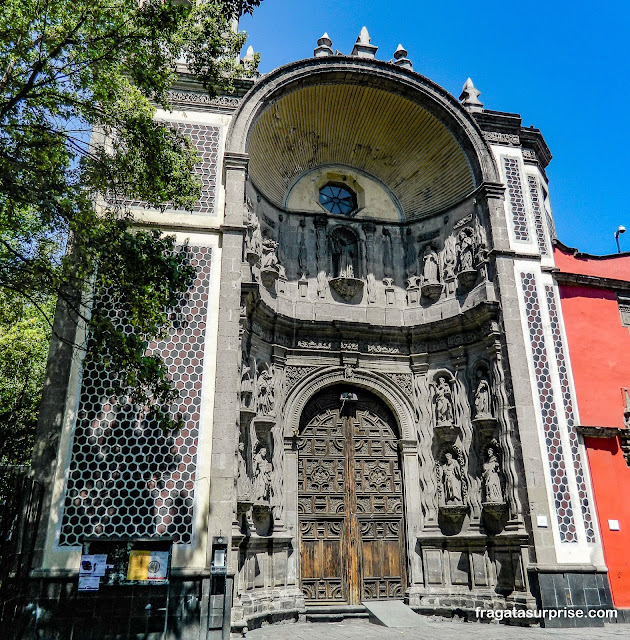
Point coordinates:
pixel 158 565
pixel 93 565
pixel 89 583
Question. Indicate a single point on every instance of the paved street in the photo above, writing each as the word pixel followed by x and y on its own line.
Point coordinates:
pixel 432 630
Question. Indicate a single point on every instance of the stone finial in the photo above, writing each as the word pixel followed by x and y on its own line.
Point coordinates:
pixel 249 55
pixel 400 58
pixel 362 47
pixel 470 97
pixel 323 47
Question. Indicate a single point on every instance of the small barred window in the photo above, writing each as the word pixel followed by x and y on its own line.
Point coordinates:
pixel 337 198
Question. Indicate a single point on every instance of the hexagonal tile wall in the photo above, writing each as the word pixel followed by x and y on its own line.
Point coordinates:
pixel 553 441
pixel 206 141
pixel 127 477
pixel 517 201
pixel 570 416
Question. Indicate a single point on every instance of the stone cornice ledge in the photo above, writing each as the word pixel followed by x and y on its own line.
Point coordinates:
pixel 600 432
pixel 566 568
pixel 598 282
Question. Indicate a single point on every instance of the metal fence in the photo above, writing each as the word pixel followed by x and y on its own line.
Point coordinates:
pixel 20 510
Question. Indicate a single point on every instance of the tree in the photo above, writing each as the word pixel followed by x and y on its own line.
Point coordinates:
pixel 24 337
pixel 79 84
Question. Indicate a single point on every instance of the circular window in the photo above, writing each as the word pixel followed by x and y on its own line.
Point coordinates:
pixel 337 198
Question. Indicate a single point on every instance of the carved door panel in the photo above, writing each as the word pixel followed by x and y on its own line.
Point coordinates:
pixel 378 504
pixel 350 502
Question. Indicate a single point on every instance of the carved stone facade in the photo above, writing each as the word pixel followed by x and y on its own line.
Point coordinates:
pixel 383 373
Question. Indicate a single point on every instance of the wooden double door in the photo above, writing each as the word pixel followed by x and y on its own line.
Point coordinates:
pixel 350 500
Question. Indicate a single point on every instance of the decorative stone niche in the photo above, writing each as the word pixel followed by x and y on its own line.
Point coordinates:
pixel 344 253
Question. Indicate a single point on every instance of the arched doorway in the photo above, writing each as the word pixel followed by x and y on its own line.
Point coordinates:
pixel 350 499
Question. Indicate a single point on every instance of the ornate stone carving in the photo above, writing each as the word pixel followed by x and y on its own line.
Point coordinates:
pixel 483 397
pixel 243 482
pixel 270 267
pixel 253 239
pixel 451 482
pixel 265 386
pixel 529 154
pixel 311 344
pixel 345 263
pixel 262 474
pixel 247 384
pixel 294 374
pixel 347 288
pixel 190 97
pixel 345 253
pixel 464 221
pixel 502 138
pixel 443 403
pixel 405 382
pixel 451 479
pixel 492 491
pixel 382 348
pixel 466 272
pixel 484 420
pixel 449 259
pixel 431 284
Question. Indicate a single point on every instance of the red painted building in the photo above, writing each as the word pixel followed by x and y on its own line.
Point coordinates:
pixel 595 298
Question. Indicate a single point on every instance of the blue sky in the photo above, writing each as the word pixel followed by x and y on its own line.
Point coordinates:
pixel 563 66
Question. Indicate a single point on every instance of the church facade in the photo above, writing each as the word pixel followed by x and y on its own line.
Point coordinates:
pixel 373 367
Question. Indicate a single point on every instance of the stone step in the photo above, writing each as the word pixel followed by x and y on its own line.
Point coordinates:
pixel 335 612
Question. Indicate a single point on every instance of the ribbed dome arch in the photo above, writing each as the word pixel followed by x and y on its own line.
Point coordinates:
pixel 377 131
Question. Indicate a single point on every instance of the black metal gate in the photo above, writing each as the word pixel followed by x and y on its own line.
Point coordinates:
pixel 20 510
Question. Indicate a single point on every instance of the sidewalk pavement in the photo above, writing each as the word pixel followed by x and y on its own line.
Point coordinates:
pixel 432 629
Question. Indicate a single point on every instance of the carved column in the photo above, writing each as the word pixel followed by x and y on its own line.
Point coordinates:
pixel 413 514
pixel 423 409
pixel 291 503
pixel 388 266
pixel 369 228
pixel 321 251
pixel 302 259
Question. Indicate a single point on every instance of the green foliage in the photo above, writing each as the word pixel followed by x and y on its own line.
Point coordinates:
pixel 79 84
pixel 24 337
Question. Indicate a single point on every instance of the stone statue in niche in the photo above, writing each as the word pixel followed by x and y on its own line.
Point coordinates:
pixel 344 254
pixel 262 474
pixel 430 268
pixel 344 247
pixel 243 484
pixel 466 274
pixel 451 480
pixel 431 285
pixel 253 240
pixel 443 403
pixel 247 383
pixel 449 259
pixel 492 492
pixel 266 390
pixel 483 397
